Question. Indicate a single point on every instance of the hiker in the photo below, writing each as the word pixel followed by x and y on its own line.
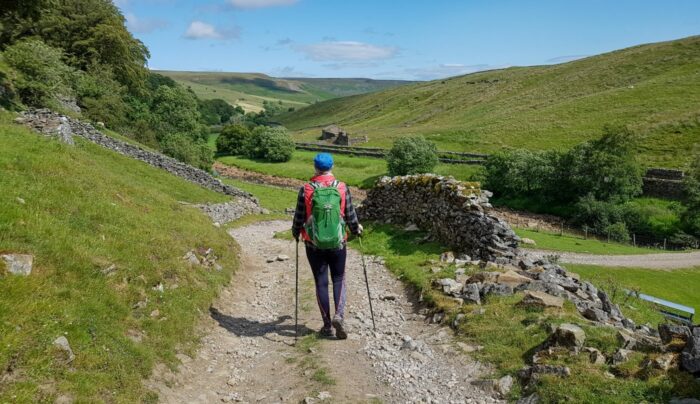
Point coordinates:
pixel 324 208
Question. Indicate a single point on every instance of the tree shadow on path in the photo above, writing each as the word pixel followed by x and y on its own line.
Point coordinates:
pixel 244 327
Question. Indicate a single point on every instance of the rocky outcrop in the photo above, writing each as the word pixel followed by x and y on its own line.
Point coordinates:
pixel 53 124
pixel 455 213
pixel 18 264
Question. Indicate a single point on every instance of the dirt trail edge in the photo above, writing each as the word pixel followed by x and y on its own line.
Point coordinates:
pixel 248 352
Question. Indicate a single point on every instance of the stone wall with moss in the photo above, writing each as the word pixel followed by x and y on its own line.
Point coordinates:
pixel 454 212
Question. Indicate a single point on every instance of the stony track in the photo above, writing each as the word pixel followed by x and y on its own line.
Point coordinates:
pixel 249 355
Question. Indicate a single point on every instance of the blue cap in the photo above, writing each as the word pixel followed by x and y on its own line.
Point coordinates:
pixel 323 161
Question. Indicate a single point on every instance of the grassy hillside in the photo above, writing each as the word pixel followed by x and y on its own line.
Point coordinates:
pixel 249 90
pixel 81 210
pixel 655 89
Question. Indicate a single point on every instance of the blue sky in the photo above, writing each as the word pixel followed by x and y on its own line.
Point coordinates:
pixel 401 39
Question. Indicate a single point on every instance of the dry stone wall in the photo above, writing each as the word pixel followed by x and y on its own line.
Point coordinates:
pixel 455 213
pixel 64 128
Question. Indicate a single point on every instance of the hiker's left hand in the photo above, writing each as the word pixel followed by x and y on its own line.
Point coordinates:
pixel 360 229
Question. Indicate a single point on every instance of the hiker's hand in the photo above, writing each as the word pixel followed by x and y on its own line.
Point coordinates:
pixel 296 236
pixel 360 229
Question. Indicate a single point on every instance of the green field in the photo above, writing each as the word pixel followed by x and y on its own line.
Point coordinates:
pixel 678 285
pixel 250 90
pixel 81 210
pixel 357 171
pixel 655 89
pixel 578 244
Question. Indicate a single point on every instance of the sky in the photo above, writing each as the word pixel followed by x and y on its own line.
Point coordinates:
pixel 400 39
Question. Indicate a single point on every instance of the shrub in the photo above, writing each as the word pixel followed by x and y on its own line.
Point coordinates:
pixel 193 152
pixel 618 232
pixel 520 172
pixel 605 167
pixel 232 140
pixel 42 75
pixel 217 111
pixel 412 155
pixel 597 215
pixel 175 110
pixel 271 144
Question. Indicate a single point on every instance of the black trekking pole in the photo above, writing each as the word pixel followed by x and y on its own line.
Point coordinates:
pixel 296 299
pixel 369 295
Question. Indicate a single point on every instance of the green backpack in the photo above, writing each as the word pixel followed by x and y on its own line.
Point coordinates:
pixel 326 227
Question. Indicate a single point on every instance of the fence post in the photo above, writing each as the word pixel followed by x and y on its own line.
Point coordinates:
pixel 608 235
pixel 664 243
pixel 634 239
pixel 585 229
pixel 561 232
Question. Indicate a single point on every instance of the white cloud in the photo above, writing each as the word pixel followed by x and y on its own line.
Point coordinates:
pixel 260 3
pixel 346 51
pixel 137 25
pixel 202 30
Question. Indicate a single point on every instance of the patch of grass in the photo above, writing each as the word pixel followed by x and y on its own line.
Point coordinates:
pixel 274 199
pixel 678 285
pixel 86 208
pixel 578 244
pixel 361 172
pixel 321 375
pixel 652 88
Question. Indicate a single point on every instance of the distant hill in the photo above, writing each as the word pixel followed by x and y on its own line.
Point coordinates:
pixel 654 88
pixel 249 90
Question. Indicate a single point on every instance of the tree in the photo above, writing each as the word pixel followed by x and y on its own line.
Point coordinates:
pixel 272 144
pixel 412 155
pixel 232 140
pixel 193 152
pixel 175 110
pixel 218 111
pixel 605 168
pixel 691 217
pixel 42 75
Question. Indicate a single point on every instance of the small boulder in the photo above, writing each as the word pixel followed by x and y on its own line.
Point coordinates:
pixel 496 289
pixel 528 241
pixel 627 340
pixel 595 314
pixel 282 257
pixel 512 279
pixel 568 335
pixel 18 264
pixel 450 286
pixel 595 356
pixel 484 277
pixel 62 344
pixel 504 385
pixel 621 356
pixel 191 258
pixel 448 257
pixel 411 227
pixel 541 299
pixel 674 336
pixel 690 358
pixel 470 293
pixel 665 361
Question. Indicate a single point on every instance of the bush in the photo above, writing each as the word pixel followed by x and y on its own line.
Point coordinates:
pixel 175 110
pixel 183 148
pixel 597 215
pixel 217 111
pixel 42 75
pixel 271 144
pixel 605 167
pixel 232 140
pixel 618 232
pixel 412 155
pixel 520 172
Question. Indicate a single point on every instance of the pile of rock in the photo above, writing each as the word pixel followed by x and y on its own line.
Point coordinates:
pixel 52 124
pixel 222 213
pixel 452 211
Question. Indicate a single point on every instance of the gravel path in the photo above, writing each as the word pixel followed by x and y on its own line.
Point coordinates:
pixel 653 261
pixel 248 353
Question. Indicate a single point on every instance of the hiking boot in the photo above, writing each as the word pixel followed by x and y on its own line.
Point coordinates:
pixel 339 328
pixel 325 332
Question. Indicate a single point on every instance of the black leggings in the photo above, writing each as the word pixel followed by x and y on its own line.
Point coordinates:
pixel 321 261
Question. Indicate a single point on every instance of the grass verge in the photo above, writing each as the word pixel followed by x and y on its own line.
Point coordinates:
pixel 79 210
